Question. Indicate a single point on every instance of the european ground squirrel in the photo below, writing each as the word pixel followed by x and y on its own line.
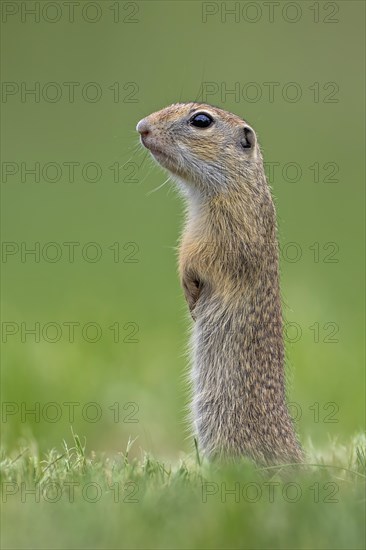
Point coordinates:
pixel 230 276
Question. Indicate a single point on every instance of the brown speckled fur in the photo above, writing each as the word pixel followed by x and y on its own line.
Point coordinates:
pixel 229 273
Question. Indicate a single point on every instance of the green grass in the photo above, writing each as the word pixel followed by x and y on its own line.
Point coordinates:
pixel 72 498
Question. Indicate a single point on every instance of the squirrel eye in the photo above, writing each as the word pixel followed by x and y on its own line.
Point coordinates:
pixel 201 120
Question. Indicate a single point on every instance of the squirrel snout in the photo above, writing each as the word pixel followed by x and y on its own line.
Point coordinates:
pixel 143 127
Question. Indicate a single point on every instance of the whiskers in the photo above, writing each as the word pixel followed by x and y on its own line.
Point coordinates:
pixel 158 187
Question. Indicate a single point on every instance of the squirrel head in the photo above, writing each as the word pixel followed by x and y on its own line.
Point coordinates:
pixel 205 148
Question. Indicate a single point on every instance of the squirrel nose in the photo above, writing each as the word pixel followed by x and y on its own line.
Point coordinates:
pixel 143 127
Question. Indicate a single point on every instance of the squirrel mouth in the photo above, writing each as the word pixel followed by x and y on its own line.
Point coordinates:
pixel 148 145
pixel 155 151
pixel 163 158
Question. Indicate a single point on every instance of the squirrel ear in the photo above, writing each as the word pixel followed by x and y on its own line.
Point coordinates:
pixel 248 138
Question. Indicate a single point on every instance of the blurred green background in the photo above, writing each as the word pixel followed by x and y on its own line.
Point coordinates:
pixel 158 53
